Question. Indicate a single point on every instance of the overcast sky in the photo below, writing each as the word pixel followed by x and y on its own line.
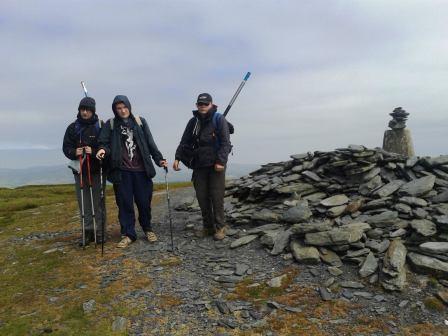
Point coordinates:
pixel 325 73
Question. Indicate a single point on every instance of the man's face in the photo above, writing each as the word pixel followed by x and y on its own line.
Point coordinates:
pixel 85 113
pixel 203 108
pixel 122 110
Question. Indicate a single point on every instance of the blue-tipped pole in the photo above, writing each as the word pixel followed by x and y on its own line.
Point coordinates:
pixel 236 93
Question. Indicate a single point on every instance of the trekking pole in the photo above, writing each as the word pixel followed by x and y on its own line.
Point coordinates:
pixel 81 187
pixel 84 88
pixel 89 179
pixel 103 206
pixel 169 207
pixel 236 94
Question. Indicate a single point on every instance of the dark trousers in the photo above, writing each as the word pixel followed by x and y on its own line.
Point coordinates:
pixel 210 187
pixel 134 186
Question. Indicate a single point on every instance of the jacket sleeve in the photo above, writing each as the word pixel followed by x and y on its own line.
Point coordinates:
pixel 105 138
pixel 225 145
pixel 69 143
pixel 187 138
pixel 154 151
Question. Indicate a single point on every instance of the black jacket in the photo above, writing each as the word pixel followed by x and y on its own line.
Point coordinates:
pixel 82 133
pixel 110 141
pixel 209 146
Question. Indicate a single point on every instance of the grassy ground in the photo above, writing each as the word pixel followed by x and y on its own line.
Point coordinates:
pixel 44 282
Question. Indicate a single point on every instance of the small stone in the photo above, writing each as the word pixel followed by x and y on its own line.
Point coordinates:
pixel 241 269
pixel 277 281
pixel 325 294
pixel 281 241
pixel 329 282
pixel 119 324
pixel 419 186
pixel 336 211
pixel 403 303
pixel 335 200
pixel 424 227
pixel 369 266
pixel 434 247
pixel 427 265
pixel 330 258
pixel 265 215
pixel 243 241
pixel 351 284
pixel 88 306
pixel 335 271
pixel 297 214
pixel 305 254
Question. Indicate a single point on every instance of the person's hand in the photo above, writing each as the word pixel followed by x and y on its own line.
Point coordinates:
pixel 88 149
pixel 79 151
pixel 163 163
pixel 176 165
pixel 219 167
pixel 100 154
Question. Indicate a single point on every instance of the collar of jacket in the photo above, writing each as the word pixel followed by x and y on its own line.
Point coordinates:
pixel 89 121
pixel 209 114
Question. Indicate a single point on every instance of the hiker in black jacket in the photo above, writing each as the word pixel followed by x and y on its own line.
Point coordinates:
pixel 81 137
pixel 128 144
pixel 207 140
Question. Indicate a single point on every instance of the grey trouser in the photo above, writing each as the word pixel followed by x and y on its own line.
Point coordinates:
pixel 96 192
pixel 210 187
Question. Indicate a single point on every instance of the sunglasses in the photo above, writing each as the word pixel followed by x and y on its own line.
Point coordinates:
pixel 203 104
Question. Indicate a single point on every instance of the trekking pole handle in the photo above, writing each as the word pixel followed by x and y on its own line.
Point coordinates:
pixel 84 88
pixel 246 77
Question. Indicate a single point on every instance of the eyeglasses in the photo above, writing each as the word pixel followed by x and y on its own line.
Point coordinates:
pixel 203 104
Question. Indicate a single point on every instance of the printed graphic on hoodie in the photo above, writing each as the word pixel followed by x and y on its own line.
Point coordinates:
pixel 130 153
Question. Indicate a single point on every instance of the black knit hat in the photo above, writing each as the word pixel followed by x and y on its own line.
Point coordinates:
pixel 88 103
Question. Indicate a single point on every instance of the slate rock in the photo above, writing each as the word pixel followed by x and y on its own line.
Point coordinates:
pixel 243 241
pixel 427 265
pixel 424 227
pixel 434 247
pixel 419 186
pixel 297 214
pixel 305 254
pixel 120 324
pixel 302 228
pixel 335 200
pixel 394 273
pixel 281 241
pixel 369 266
pixel 265 215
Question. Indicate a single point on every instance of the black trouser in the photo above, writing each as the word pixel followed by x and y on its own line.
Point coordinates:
pixel 134 186
pixel 210 187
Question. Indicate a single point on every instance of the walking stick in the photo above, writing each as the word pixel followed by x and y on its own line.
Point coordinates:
pixel 169 207
pixel 103 206
pixel 81 186
pixel 89 179
pixel 236 94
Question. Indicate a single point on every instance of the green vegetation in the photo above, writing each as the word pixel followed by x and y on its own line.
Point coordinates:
pixel 44 282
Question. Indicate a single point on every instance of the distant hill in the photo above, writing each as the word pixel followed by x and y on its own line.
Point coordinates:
pixel 60 174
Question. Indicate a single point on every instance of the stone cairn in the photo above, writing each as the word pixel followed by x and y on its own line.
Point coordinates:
pixel 398 139
pixel 379 210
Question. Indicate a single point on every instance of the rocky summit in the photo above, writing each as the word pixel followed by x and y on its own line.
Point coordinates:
pixel 378 210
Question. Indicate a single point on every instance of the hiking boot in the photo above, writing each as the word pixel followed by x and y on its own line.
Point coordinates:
pixel 125 242
pixel 151 236
pixel 220 234
pixel 205 232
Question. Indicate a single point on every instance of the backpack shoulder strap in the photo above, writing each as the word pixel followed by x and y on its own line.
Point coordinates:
pixel 216 120
pixel 111 122
pixel 138 120
pixel 100 123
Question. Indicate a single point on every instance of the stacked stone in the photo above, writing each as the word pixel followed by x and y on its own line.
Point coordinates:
pixel 364 206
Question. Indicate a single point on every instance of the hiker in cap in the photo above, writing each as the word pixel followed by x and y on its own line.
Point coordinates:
pixel 208 133
pixel 129 146
pixel 81 140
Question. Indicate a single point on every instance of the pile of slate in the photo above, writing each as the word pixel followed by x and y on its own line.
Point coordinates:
pixel 378 210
